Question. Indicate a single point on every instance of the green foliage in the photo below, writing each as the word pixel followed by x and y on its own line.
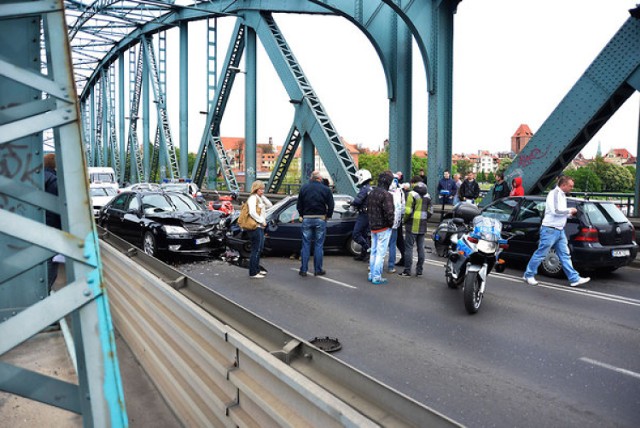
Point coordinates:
pixel 481 177
pixel 375 163
pixel 585 180
pixel 504 164
pixel 614 178
pixel 491 177
pixel 464 167
pixel 417 164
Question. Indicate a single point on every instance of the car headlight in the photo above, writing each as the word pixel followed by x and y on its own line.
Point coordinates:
pixel 487 247
pixel 175 230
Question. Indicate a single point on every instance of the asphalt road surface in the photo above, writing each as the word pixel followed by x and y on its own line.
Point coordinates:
pixel 548 355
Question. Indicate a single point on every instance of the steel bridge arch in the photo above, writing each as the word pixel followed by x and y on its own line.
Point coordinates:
pixel 372 18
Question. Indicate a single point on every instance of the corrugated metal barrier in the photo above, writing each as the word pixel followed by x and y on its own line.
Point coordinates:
pixel 217 364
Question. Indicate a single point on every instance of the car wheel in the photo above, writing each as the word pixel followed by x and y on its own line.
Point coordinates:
pixel 551 265
pixel 149 244
pixel 353 247
pixel 245 251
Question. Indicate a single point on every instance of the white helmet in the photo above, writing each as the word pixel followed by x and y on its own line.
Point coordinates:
pixel 363 176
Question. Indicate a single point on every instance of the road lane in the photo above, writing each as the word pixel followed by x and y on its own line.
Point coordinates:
pixel 526 359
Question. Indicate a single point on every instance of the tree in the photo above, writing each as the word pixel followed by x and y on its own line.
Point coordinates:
pixel 482 177
pixel 585 180
pixel 375 163
pixel 418 163
pixel 614 178
pixel 465 166
pixel 504 164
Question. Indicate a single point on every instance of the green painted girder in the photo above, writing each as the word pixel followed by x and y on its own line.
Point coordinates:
pixel 326 139
pixel 166 139
pixel 284 160
pixel 216 112
pixel 606 84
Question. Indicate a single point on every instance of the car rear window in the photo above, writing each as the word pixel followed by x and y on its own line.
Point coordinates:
pixel 602 213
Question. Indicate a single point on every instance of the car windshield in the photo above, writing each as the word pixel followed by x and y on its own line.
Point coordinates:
pixel 602 213
pixel 156 202
pixel 102 191
pixel 183 202
pixel 278 205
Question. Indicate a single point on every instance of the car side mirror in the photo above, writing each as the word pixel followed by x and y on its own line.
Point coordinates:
pixel 272 226
pixel 135 211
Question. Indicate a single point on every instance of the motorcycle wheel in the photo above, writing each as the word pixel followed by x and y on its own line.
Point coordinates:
pixel 472 295
pixel 450 281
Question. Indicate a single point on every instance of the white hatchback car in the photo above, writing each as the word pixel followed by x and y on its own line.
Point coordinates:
pixel 100 195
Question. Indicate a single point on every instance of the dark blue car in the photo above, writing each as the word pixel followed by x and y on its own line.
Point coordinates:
pixel 284 229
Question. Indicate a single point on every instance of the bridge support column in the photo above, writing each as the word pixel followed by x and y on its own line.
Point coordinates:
pixel 184 99
pixel 441 96
pixel 400 120
pixel 250 109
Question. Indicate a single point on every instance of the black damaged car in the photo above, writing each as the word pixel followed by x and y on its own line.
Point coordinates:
pixel 164 223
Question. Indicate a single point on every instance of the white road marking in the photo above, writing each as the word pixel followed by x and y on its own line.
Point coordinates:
pixel 610 367
pixel 342 284
pixel 557 287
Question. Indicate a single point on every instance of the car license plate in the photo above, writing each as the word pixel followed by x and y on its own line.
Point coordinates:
pixel 620 253
pixel 202 240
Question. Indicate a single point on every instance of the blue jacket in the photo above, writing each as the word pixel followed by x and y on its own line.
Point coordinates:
pixel 450 185
pixel 360 201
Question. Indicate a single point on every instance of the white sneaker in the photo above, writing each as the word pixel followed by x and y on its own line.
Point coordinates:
pixel 531 280
pixel 257 276
pixel 580 281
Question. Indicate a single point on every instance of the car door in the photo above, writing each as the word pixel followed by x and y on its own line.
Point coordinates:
pixel 527 219
pixel 133 222
pixel 114 214
pixel 340 225
pixel 284 233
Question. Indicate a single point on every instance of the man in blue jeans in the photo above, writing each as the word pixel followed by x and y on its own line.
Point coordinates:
pixel 552 235
pixel 315 206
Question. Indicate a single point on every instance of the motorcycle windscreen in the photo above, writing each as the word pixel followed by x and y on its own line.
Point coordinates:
pixel 488 229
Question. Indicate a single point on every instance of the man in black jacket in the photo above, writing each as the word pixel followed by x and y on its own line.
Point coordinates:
pixel 501 188
pixel 315 205
pixel 381 216
pixel 469 189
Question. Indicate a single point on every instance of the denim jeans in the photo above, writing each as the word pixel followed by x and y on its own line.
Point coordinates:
pixel 556 239
pixel 360 231
pixel 257 243
pixel 379 245
pixel 313 229
pixel 391 263
pixel 409 240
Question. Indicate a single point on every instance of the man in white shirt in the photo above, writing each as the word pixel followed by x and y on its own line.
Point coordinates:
pixel 552 235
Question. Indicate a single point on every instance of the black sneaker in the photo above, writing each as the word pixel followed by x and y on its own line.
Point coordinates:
pixel 418 273
pixel 301 273
pixel 405 274
pixel 320 273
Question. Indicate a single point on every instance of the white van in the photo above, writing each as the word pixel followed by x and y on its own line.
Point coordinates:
pixel 103 176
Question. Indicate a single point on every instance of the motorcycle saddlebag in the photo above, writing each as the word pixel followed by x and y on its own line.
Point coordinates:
pixel 441 236
pixel 466 211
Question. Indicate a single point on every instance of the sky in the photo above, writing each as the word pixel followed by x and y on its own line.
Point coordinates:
pixel 514 61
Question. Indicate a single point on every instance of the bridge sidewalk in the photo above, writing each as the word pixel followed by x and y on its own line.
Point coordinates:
pixel 47 354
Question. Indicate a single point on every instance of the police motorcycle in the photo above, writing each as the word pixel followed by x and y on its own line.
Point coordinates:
pixel 472 245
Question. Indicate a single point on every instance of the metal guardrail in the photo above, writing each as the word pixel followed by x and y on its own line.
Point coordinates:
pixel 216 363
